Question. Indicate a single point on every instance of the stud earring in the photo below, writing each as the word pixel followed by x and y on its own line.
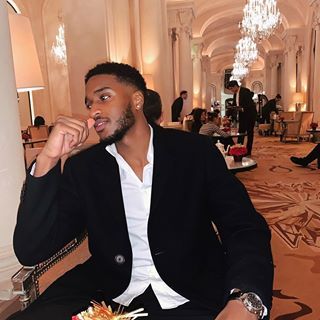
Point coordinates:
pixel 138 107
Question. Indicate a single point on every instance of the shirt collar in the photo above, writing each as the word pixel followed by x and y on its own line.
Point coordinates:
pixel 112 149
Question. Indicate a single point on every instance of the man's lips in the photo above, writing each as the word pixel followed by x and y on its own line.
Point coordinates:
pixel 100 124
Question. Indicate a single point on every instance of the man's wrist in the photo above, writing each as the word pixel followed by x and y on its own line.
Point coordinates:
pixel 251 301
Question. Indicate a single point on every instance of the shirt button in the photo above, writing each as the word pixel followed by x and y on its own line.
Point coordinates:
pixel 119 259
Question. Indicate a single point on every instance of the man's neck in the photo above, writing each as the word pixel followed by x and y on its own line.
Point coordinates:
pixel 134 148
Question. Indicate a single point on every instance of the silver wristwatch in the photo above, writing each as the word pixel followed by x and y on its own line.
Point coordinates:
pixel 250 300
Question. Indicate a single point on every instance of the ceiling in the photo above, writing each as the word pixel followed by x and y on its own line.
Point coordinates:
pixel 216 22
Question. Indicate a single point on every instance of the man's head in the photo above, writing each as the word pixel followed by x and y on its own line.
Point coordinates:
pixel 233 86
pixel 115 96
pixel 214 117
pixel 184 94
pixel 152 107
pixel 278 97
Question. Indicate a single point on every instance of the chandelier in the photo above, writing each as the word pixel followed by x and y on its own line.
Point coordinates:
pixel 239 71
pixel 58 49
pixel 246 51
pixel 260 19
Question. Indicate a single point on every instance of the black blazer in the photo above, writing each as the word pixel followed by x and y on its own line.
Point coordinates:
pixel 246 102
pixel 191 187
pixel 176 109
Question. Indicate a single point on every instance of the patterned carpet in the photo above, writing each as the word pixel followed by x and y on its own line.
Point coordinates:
pixel 288 197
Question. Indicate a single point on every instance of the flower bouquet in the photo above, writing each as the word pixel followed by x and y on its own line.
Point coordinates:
pixel 314 125
pixel 102 312
pixel 238 151
pixel 25 136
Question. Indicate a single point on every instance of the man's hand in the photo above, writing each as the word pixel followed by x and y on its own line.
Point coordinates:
pixel 67 134
pixel 235 310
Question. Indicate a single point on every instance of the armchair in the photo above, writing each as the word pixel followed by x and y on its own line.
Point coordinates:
pixel 297 128
pixel 29 282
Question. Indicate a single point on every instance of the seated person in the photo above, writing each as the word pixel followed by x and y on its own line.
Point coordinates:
pixel 199 118
pixel 213 126
pixel 39 121
pixel 313 155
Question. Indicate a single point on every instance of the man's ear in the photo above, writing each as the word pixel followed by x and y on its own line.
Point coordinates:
pixel 138 100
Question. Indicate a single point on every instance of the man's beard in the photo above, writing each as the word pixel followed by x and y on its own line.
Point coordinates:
pixel 125 122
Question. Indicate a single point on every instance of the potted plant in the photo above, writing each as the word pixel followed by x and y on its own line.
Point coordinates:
pixel 313 125
pixel 238 151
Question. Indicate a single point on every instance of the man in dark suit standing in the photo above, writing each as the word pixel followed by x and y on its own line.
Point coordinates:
pixel 242 98
pixel 149 223
pixel 177 106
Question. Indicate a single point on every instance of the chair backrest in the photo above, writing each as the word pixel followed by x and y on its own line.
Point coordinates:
pixel 306 119
pixel 287 115
pixel 38 132
pixel 31 154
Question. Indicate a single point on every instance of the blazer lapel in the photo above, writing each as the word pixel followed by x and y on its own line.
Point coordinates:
pixel 162 167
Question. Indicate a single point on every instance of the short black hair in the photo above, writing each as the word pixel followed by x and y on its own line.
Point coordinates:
pixel 212 115
pixel 182 92
pixel 278 96
pixel 232 83
pixel 152 107
pixel 39 121
pixel 123 72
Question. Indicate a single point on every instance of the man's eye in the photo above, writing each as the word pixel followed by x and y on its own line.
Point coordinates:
pixel 104 97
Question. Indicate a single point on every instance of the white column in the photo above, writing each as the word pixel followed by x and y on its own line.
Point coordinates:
pixel 316 75
pixel 197 46
pixel 185 61
pixel 290 72
pixel 206 91
pixel 11 161
pixel 155 50
pixel 274 77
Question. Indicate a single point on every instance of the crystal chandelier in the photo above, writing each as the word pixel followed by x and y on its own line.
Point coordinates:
pixel 246 51
pixel 58 49
pixel 239 71
pixel 260 19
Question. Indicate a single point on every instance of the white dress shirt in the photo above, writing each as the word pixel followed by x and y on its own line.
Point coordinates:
pixel 137 198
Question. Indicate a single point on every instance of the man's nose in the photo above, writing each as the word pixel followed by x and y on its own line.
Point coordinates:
pixel 95 111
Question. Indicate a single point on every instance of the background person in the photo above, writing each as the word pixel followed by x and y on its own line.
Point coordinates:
pixel 199 118
pixel 242 98
pixel 270 106
pixel 311 156
pixel 152 107
pixel 149 224
pixel 39 121
pixel 213 126
pixel 177 106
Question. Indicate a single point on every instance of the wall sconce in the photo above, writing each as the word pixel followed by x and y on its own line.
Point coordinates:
pixel 149 81
pixel 25 58
pixel 298 98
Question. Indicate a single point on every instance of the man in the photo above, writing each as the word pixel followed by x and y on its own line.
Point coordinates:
pixel 270 106
pixel 149 223
pixel 242 98
pixel 177 106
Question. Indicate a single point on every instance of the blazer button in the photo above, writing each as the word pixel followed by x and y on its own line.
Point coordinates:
pixel 119 259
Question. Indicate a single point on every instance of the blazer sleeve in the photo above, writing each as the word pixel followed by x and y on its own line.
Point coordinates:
pixel 244 233
pixel 245 99
pixel 48 216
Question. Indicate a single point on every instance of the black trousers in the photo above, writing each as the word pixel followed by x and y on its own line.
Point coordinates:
pixel 246 125
pixel 73 292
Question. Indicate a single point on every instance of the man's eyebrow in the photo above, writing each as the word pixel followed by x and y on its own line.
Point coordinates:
pixel 101 89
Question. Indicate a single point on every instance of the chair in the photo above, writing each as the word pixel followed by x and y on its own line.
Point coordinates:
pixel 29 282
pixel 30 154
pixel 40 132
pixel 297 128
pixel 277 125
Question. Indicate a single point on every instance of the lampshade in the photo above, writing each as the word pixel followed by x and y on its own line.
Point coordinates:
pixel 26 63
pixel 298 97
pixel 149 81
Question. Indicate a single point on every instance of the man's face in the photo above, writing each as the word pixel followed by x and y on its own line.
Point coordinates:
pixel 184 96
pixel 110 105
pixel 234 89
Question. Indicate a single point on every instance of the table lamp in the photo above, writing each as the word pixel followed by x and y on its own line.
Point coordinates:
pixel 25 59
pixel 298 98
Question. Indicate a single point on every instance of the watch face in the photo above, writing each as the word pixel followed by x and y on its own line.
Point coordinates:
pixel 253 302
